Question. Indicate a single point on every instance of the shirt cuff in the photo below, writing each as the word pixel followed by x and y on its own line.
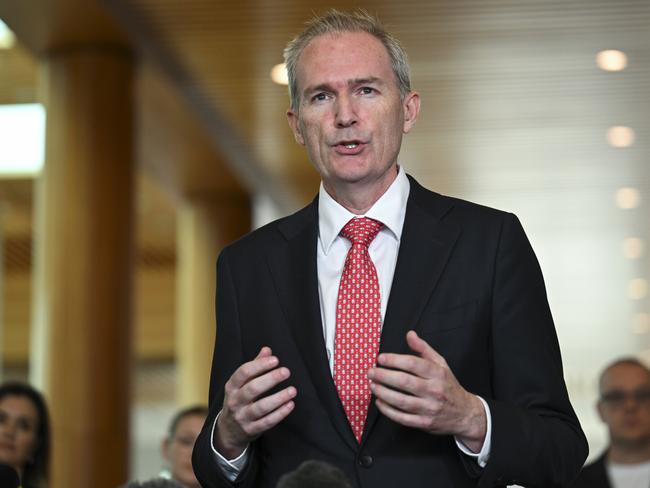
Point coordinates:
pixel 483 456
pixel 230 467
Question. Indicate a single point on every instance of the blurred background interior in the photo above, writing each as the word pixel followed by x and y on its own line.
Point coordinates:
pixel 138 137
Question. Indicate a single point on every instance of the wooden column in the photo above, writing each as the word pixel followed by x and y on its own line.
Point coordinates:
pixel 205 226
pixel 83 264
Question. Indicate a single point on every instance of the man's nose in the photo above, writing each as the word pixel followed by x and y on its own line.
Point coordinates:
pixel 630 402
pixel 345 112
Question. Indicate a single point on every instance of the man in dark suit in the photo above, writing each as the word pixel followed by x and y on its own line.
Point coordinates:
pixel 624 406
pixel 467 387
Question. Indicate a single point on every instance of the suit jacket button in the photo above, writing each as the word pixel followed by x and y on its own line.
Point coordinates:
pixel 365 461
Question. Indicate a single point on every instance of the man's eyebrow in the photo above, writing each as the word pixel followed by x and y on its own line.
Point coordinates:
pixel 352 82
pixel 315 88
pixel 365 81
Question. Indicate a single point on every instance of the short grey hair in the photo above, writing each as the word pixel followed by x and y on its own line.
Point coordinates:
pixel 337 22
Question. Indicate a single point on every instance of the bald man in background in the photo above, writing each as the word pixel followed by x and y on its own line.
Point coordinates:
pixel 624 406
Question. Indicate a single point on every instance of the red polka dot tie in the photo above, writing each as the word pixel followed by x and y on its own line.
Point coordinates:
pixel 358 323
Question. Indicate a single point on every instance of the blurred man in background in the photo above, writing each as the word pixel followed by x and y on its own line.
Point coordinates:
pixel 177 446
pixel 624 405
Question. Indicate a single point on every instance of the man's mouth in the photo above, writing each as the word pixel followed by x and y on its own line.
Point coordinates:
pixel 349 148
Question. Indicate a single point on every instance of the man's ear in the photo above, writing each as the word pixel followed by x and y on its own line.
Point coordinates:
pixel 411 105
pixel 164 448
pixel 294 123
pixel 599 409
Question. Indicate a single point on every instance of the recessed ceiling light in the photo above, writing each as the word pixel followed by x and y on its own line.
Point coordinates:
pixel 633 247
pixel 279 74
pixel 7 38
pixel 637 289
pixel 611 60
pixel 620 136
pixel 627 198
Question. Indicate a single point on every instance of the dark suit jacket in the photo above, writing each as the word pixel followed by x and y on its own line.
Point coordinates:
pixel 468 282
pixel 8 477
pixel 594 475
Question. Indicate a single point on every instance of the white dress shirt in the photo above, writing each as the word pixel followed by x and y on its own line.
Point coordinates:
pixel 629 475
pixel 390 210
pixel 332 250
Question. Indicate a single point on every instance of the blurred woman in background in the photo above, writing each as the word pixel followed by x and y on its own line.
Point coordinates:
pixel 24 433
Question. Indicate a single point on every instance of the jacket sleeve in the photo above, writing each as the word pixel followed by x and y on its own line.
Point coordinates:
pixel 537 440
pixel 226 359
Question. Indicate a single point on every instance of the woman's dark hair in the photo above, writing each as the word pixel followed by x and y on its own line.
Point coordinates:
pixel 35 471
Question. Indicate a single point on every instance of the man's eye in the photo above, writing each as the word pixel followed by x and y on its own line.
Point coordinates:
pixel 366 90
pixel 185 441
pixel 319 97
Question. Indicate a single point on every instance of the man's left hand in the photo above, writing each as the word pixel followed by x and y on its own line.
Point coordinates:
pixel 420 391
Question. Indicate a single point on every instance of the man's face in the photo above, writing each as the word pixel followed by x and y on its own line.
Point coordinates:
pixel 178 449
pixel 625 404
pixel 351 117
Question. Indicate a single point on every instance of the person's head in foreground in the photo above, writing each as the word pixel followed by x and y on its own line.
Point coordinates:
pixel 315 474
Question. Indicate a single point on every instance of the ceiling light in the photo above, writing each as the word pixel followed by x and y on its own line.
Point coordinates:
pixel 637 289
pixel 641 323
pixel 627 198
pixel 7 38
pixel 279 74
pixel 620 136
pixel 22 139
pixel 633 247
pixel 611 60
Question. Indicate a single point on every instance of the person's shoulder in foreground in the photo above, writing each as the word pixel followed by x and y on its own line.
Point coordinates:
pixel 315 474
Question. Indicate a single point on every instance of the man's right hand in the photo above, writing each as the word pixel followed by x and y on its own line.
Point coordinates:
pixel 246 412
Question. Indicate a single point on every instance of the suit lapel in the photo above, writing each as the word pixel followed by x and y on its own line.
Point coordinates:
pixel 425 247
pixel 294 270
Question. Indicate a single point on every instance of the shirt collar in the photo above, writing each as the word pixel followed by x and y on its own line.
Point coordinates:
pixel 390 210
